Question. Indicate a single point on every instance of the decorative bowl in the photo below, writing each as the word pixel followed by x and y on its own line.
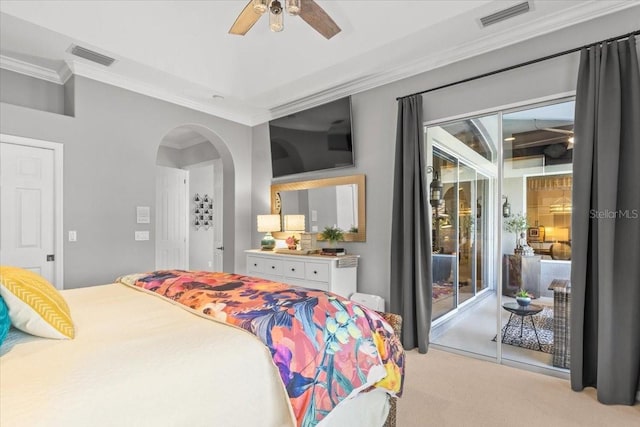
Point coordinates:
pixel 523 301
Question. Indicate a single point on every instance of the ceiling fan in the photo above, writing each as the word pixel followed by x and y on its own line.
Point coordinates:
pixel 570 140
pixel 559 129
pixel 308 10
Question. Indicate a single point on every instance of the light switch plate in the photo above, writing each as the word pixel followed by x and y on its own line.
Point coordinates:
pixel 73 236
pixel 142 235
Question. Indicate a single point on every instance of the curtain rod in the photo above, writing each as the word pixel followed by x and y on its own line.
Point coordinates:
pixel 522 64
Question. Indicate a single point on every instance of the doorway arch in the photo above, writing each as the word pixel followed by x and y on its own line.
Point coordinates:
pixel 201 145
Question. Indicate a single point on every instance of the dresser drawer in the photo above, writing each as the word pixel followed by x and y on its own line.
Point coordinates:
pixel 306 271
pixel 316 272
pixel 273 266
pixel 294 269
pixel 255 264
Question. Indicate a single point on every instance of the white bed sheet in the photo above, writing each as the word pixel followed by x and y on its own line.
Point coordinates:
pixel 138 360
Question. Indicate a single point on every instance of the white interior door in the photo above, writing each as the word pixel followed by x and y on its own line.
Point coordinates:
pixel 218 243
pixel 171 219
pixel 27 217
pixel 347 206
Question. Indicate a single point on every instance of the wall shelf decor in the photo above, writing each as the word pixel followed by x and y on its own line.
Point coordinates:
pixel 202 212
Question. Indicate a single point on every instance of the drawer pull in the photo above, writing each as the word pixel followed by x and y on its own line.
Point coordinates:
pixel 273 267
pixel 255 264
pixel 293 269
pixel 315 272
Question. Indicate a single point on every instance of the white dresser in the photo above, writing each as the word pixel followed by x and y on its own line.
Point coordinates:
pixel 309 271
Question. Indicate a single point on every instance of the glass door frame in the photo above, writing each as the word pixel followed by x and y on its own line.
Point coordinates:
pixel 496 182
pixel 492 210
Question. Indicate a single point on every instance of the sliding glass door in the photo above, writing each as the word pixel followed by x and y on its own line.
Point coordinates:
pixel 493 170
pixel 463 159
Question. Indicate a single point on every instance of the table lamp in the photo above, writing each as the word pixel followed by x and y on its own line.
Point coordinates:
pixel 267 224
pixel 294 223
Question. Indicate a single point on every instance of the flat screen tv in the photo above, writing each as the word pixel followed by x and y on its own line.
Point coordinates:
pixel 315 139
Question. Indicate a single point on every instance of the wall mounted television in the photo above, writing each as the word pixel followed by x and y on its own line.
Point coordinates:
pixel 315 139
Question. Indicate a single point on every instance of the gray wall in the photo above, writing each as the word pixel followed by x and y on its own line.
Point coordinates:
pixel 375 114
pixel 110 149
pixel 26 91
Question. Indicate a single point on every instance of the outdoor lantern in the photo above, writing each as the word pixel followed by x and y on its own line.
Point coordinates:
pixel 435 190
pixel 506 208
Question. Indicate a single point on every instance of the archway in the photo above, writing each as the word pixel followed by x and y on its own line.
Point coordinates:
pixel 200 157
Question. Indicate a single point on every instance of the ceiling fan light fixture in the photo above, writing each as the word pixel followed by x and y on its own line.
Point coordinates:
pixel 310 12
pixel 276 7
pixel 276 17
pixel 293 7
pixel 260 6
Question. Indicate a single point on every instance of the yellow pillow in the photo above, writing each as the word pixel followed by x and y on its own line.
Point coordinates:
pixel 35 306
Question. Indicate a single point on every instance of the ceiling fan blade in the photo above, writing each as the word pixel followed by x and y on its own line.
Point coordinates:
pixel 315 16
pixel 245 20
pixel 566 132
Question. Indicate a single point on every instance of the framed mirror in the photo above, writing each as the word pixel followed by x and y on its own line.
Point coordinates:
pixel 324 202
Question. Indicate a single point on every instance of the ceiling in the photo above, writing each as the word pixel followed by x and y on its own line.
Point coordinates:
pixel 180 51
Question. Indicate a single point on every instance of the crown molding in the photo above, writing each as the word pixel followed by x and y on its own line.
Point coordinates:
pixel 65 73
pixel 494 41
pixel 181 145
pixel 491 42
pixel 36 71
pixel 111 78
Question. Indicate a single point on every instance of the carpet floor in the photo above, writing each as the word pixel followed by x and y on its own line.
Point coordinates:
pixel 445 390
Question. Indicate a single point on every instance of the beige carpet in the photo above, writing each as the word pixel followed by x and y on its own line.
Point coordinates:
pixel 445 389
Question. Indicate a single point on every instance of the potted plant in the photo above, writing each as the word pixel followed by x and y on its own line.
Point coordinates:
pixel 516 223
pixel 523 298
pixel 332 234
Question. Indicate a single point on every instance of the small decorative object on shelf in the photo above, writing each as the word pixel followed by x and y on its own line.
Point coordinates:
pixel 292 242
pixel 333 251
pixel 523 298
pixel 332 234
pixel 308 241
pixel 202 212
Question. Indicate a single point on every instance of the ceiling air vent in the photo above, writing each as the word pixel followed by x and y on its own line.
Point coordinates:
pixel 91 55
pixel 507 13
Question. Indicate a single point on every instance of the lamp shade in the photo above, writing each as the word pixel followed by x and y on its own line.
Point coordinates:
pixel 294 223
pixel 268 223
pixel 562 234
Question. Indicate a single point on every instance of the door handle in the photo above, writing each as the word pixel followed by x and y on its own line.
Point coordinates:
pixel 220 248
pixel 51 257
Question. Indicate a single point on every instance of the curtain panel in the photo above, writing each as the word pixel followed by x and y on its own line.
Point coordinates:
pixel 605 276
pixel 411 287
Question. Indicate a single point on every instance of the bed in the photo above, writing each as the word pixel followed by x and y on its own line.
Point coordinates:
pixel 141 356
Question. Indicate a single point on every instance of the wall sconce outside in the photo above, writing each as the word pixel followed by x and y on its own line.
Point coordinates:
pixel 506 208
pixel 435 188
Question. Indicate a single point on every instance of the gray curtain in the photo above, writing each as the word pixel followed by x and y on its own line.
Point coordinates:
pixel 411 229
pixel 605 275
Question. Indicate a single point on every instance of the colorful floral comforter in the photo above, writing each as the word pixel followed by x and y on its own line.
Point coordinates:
pixel 326 348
